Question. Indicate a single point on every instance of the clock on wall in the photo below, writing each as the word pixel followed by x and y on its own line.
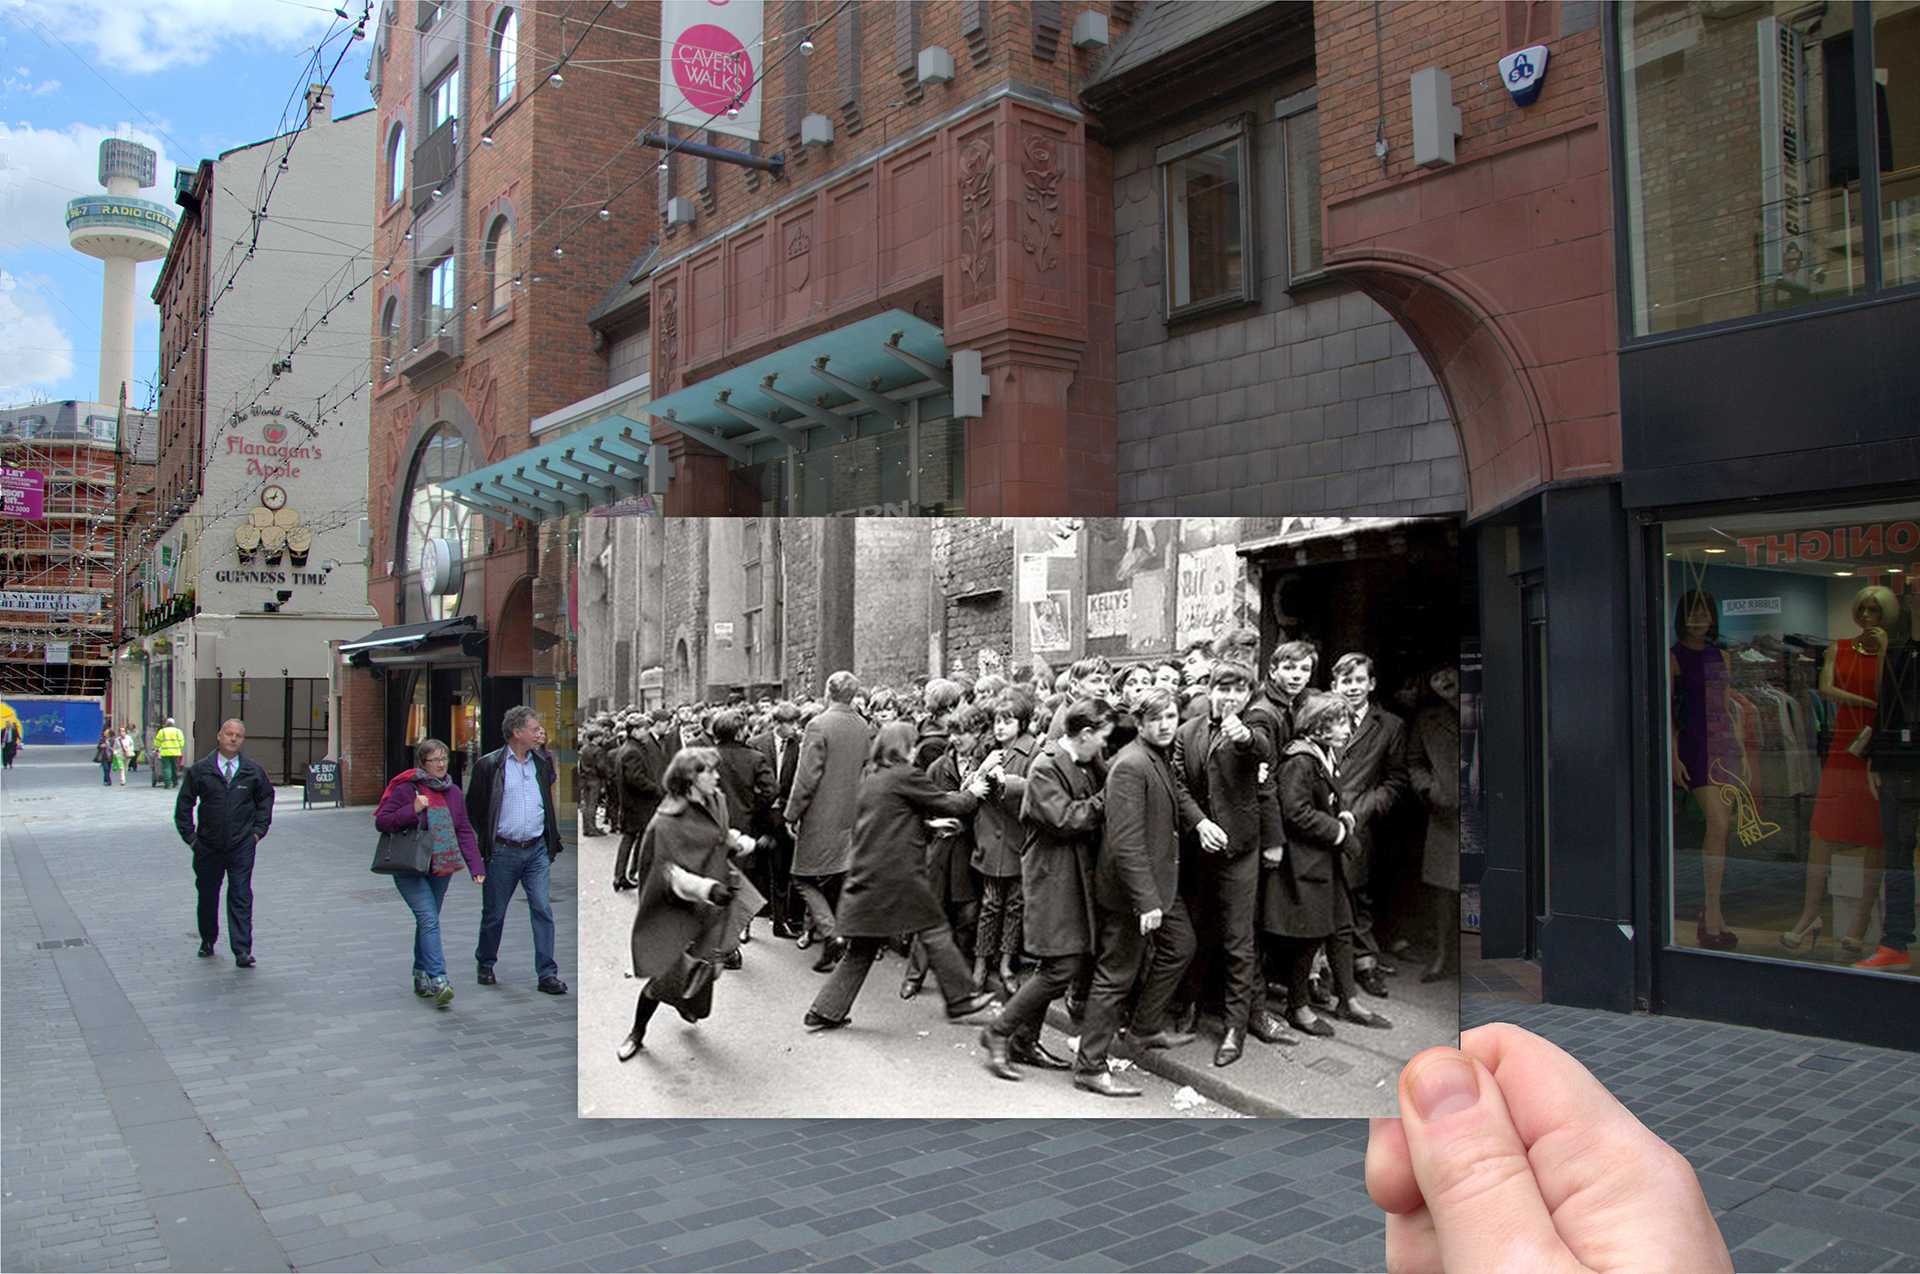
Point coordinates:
pixel 274 497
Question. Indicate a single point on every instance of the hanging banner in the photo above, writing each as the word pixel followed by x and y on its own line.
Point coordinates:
pixel 711 57
pixel 51 603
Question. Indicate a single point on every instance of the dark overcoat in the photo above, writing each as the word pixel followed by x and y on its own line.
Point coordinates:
pixel 638 767
pixel 1433 767
pixel 887 891
pixel 950 857
pixel 998 836
pixel 1306 896
pixel 1223 780
pixel 693 837
pixel 1139 865
pixel 1062 812
pixel 746 776
pixel 826 789
pixel 1372 777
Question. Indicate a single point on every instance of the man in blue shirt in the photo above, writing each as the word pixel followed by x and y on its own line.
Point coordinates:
pixel 510 800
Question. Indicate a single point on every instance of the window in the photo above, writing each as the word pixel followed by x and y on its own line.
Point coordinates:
pixel 1300 161
pixel 397 164
pixel 441 298
pixel 498 262
pixel 1791 672
pixel 506 55
pixel 389 332
pixel 1753 159
pixel 444 100
pixel 433 515
pixel 1207 209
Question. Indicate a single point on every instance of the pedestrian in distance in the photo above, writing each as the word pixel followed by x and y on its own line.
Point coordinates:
pixel 223 812
pixel 747 780
pixel 515 819
pixel 887 891
pixel 103 754
pixel 10 743
pixel 425 795
pixel 684 915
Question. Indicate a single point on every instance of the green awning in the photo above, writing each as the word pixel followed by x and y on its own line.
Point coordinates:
pixel 601 464
pixel 877 365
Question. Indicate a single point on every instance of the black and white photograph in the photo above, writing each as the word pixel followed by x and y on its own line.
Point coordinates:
pixel 1003 817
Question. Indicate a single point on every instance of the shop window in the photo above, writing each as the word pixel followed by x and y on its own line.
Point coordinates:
pixel 506 55
pixel 1207 210
pixel 498 262
pixel 1745 135
pixel 1793 688
pixel 1300 161
pixel 397 163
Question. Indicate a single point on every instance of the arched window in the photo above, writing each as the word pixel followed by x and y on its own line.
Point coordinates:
pixel 389 331
pixel 499 265
pixel 397 164
pixel 506 55
pixel 433 515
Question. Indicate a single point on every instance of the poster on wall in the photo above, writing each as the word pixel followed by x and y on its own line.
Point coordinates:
pixel 1033 576
pixel 1209 580
pixel 1049 624
pixel 1109 614
pixel 712 57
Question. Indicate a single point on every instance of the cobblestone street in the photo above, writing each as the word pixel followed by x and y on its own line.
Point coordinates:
pixel 164 1112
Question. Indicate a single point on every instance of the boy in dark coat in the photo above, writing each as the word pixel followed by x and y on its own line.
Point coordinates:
pixel 1143 924
pixel 1372 780
pixel 1308 900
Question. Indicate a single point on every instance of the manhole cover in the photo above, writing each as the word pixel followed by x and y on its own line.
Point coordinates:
pixel 1330 1066
pixel 1821 1062
pixel 51 943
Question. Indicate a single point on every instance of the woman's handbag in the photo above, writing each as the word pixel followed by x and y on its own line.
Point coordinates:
pixel 685 986
pixel 404 853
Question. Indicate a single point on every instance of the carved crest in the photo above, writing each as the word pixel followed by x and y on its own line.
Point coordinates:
pixel 799 256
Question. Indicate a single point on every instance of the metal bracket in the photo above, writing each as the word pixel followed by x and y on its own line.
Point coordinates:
pixel 873 399
pixel 773 429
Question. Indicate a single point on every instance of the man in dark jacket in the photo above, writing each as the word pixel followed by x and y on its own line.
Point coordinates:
pixel 1143 923
pixel 1372 779
pixel 780 744
pixel 510 803
pixel 1224 766
pixel 637 767
pixel 234 803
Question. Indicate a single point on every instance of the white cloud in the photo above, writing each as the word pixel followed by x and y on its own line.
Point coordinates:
pixel 42 168
pixel 34 351
pixel 155 35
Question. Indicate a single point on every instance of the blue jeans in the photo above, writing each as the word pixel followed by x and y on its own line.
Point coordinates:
pixel 508 869
pixel 425 894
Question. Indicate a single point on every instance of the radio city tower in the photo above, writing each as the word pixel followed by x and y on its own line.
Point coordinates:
pixel 123 230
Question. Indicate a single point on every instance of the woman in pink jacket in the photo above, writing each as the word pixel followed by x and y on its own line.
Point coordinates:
pixel 425 796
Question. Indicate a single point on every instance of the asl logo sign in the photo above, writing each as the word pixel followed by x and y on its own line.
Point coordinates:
pixel 1523 73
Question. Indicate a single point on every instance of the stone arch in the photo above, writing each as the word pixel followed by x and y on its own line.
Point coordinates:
pixel 444 408
pixel 510 644
pixel 1499 420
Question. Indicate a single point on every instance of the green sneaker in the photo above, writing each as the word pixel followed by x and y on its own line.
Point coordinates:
pixel 421 986
pixel 442 992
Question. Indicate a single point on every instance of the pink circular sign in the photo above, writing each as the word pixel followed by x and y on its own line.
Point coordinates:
pixel 713 68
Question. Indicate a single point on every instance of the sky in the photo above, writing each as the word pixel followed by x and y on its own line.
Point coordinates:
pixel 190 78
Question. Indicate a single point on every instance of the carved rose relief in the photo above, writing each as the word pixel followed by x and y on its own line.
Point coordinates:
pixel 976 214
pixel 1040 220
pixel 667 338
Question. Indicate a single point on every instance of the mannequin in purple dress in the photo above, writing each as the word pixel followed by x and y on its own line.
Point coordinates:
pixel 1703 734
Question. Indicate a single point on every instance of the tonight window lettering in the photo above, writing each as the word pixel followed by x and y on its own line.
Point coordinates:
pixel 1877 539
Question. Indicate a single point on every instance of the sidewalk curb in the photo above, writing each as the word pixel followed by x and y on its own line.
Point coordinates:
pixel 1212 1082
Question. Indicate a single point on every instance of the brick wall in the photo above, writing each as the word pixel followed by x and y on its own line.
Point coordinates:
pixel 973 568
pixel 363 736
pixel 892 597
pixel 800 568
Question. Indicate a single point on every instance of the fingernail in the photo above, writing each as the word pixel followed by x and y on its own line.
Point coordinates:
pixel 1445 1086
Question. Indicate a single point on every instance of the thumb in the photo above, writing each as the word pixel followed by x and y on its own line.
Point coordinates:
pixel 1472 1168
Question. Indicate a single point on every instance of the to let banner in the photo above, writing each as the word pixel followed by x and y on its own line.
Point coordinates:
pixel 23 493
pixel 712 57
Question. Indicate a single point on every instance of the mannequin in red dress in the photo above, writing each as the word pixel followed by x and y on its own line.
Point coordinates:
pixel 1846 812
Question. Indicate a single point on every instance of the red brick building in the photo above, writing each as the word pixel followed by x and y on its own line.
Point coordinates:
pixel 502 129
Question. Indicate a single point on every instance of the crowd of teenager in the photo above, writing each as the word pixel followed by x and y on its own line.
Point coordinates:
pixel 1157 845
